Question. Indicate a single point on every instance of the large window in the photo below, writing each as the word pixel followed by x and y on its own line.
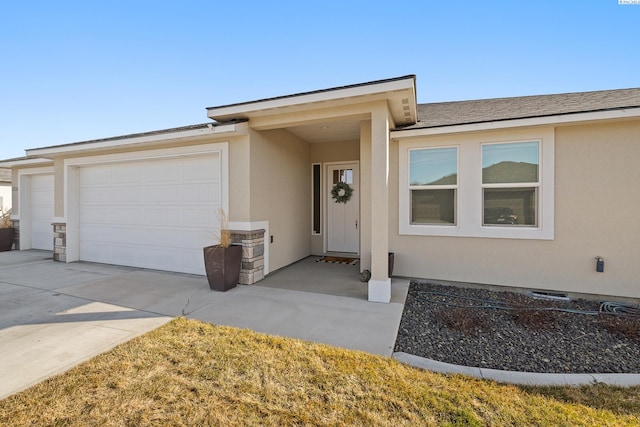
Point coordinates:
pixel 433 182
pixel 491 184
pixel 510 181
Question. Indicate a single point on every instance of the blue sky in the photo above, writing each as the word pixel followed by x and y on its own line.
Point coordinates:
pixel 79 70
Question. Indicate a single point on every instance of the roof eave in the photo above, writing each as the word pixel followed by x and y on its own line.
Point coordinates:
pixel 623 113
pixel 211 130
pixel 25 161
pixel 283 104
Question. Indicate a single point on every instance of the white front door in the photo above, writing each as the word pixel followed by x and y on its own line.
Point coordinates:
pixel 343 228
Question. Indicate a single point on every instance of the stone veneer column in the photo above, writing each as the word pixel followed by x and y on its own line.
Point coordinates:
pixel 60 242
pixel 252 269
pixel 16 237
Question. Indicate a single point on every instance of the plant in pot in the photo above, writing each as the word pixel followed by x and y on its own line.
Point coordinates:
pixel 222 261
pixel 7 232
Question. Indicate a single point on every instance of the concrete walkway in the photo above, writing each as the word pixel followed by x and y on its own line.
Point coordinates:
pixel 55 315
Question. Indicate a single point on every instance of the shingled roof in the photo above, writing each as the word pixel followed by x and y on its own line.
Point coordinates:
pixel 441 114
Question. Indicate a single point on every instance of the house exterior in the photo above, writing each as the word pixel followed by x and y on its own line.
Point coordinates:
pixel 5 190
pixel 524 192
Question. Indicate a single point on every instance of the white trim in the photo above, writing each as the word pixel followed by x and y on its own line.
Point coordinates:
pixel 218 131
pixel 71 179
pixel 256 225
pixel 379 290
pixel 627 113
pixel 469 197
pixel 323 96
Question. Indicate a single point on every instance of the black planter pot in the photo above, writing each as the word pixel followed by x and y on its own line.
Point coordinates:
pixel 222 266
pixel 6 238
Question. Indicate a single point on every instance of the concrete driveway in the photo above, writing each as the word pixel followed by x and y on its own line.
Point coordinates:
pixel 56 315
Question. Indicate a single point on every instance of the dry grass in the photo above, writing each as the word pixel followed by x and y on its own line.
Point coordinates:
pixel 5 219
pixel 192 373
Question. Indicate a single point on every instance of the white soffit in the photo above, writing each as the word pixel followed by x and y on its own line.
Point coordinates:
pixel 400 94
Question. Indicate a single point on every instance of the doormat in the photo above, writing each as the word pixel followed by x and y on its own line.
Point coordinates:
pixel 338 260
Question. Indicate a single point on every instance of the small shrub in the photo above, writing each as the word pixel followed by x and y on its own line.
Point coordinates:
pixel 532 314
pixel 465 320
pixel 5 219
pixel 626 326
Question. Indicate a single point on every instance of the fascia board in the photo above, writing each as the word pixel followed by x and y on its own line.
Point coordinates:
pixel 628 113
pixel 243 110
pixel 25 162
pixel 224 130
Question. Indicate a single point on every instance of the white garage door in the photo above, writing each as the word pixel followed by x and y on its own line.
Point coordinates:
pixel 41 208
pixel 155 214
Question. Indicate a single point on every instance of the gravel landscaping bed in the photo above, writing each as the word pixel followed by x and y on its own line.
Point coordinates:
pixel 527 337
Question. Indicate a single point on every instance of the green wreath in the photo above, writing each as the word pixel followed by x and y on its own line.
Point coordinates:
pixel 341 192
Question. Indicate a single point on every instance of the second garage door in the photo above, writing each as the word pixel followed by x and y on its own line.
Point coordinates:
pixel 41 202
pixel 155 214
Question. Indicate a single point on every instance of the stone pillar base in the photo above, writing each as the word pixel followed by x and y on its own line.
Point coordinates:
pixel 252 268
pixel 60 242
pixel 16 237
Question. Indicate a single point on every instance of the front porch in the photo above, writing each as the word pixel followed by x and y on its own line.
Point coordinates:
pixel 300 148
pixel 341 280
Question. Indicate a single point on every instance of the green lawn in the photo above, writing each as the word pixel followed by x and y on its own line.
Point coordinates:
pixel 192 373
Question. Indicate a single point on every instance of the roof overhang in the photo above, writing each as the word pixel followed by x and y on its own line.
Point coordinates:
pixel 560 119
pixel 172 135
pixel 400 94
pixel 25 161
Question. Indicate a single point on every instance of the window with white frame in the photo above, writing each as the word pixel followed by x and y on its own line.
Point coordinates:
pixel 433 180
pixel 494 184
pixel 510 182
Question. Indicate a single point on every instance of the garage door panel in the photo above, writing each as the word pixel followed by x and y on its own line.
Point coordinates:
pixel 155 214
pixel 199 193
pixel 41 212
pixel 146 237
pixel 201 169
pixel 200 218
pixel 95 176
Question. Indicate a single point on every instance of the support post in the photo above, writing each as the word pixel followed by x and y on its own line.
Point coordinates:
pixel 380 283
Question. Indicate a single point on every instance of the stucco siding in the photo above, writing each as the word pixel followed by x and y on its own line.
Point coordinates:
pixel 280 193
pixel 595 215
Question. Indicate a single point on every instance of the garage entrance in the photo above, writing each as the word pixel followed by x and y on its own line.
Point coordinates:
pixel 156 213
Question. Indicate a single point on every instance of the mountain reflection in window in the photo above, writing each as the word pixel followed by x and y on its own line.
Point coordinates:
pixel 510 180
pixel 433 183
pixel 510 163
pixel 434 166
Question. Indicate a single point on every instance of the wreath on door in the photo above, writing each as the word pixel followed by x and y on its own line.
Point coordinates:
pixel 341 192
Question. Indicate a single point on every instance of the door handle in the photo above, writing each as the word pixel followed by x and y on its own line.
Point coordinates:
pixel 356 224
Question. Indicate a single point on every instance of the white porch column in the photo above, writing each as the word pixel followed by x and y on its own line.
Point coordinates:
pixel 380 283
